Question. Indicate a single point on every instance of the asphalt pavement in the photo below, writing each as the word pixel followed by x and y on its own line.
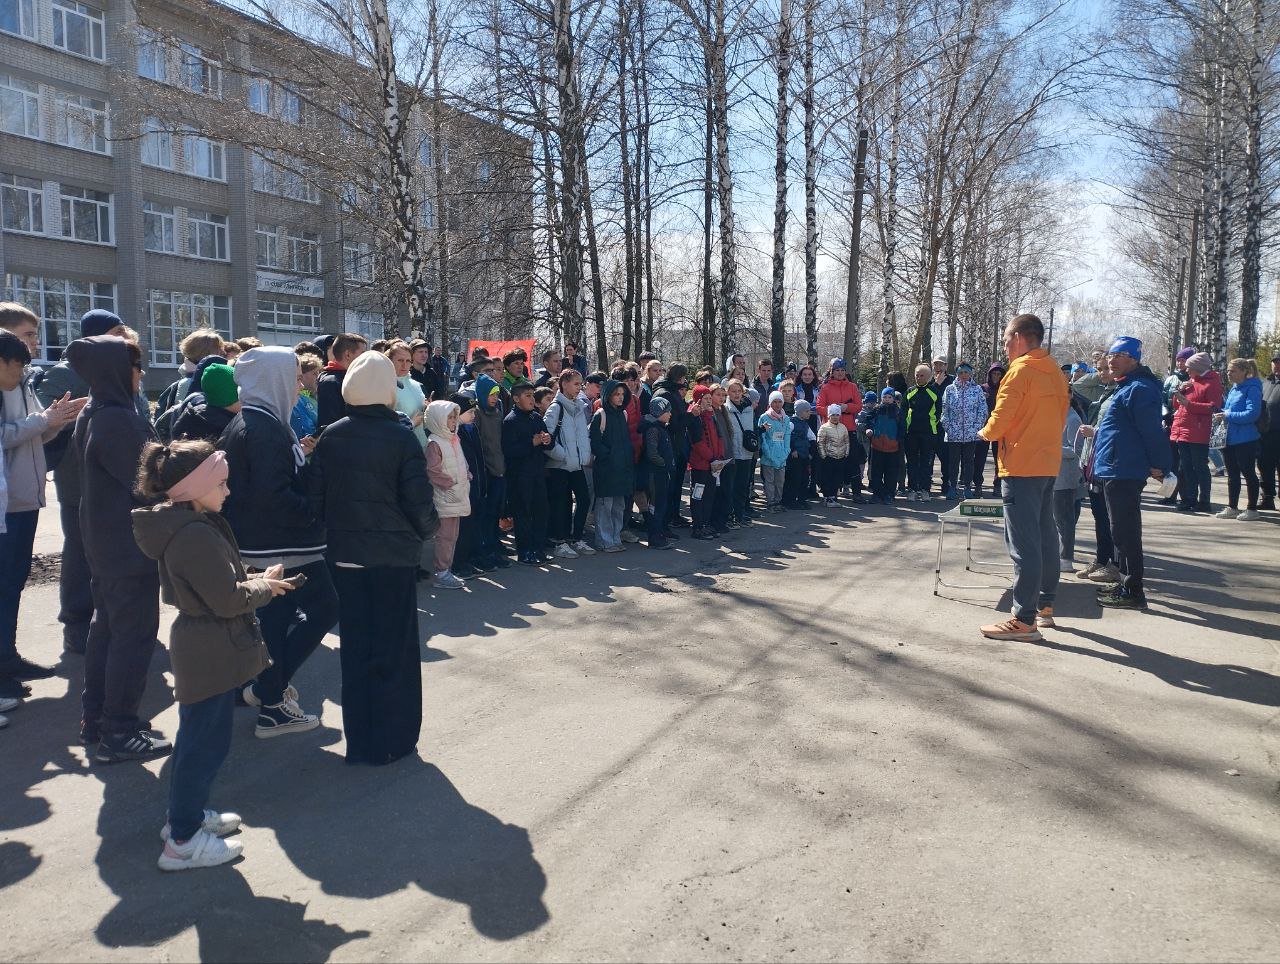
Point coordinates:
pixel 785 748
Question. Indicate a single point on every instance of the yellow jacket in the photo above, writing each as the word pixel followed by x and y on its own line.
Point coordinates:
pixel 1029 416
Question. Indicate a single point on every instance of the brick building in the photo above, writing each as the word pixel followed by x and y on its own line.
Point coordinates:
pixel 105 206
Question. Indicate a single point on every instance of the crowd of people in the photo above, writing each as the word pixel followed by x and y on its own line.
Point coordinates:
pixel 274 493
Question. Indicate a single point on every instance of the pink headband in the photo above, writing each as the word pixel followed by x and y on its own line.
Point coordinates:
pixel 203 478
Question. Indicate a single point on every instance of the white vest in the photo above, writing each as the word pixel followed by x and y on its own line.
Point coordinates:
pixel 455 501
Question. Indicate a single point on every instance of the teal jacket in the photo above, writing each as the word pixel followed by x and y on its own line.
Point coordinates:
pixel 775 439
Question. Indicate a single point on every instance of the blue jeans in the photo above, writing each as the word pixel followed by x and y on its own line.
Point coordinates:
pixel 16 544
pixel 204 737
pixel 609 513
pixel 1193 473
pixel 1031 533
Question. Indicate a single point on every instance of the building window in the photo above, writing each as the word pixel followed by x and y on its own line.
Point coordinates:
pixel 80 122
pixel 157 144
pixel 280 250
pixel 290 105
pixel 357 261
pixel 425 153
pixel 173 315
pixel 60 303
pixel 281 174
pixel 200 73
pixel 86 215
pixel 21 204
pixel 19 106
pixel 203 157
pixel 294 315
pixel 78 29
pixel 159 228
pixel 18 16
pixel 429 214
pixel 152 56
pixel 484 171
pixel 207 235
pixel 260 96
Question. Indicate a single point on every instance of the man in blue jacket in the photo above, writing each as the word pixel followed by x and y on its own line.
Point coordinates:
pixel 1130 446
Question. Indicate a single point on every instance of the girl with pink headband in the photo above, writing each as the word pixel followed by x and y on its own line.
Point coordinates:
pixel 215 646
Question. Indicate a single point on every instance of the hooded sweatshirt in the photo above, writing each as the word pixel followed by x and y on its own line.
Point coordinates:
pixel 268 508
pixel 24 430
pixel 1028 417
pixel 1193 415
pixel 108 440
pixel 489 426
pixel 215 644
pixel 446 463
pixel 611 445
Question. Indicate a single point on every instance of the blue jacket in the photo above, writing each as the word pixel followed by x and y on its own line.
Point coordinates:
pixel 1131 440
pixel 1242 410
pixel 303 417
pixel 775 440
pixel 964 411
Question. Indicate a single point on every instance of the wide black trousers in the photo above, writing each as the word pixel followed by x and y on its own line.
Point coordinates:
pixel 381 663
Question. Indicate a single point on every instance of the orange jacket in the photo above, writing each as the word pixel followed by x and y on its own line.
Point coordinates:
pixel 1029 416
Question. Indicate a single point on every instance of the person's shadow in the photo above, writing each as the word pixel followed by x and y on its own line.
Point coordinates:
pixel 366 832
pixel 231 921
pixel 1228 681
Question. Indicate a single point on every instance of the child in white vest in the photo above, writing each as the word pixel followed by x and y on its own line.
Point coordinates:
pixel 450 484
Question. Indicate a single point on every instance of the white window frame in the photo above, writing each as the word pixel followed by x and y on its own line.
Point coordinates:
pixel 426 151
pixel 196 146
pixel 298 253
pixel 201 74
pixel 153 56
pixel 26 19
pixel 24 194
pixel 27 93
pixel 165 220
pixel 186 311
pixel 266 246
pixel 85 114
pixel 283 314
pixel 269 177
pixel 41 294
pixel 289 105
pixel 484 170
pixel 81 197
pixel 66 14
pixel 258 96
pixel 207 226
pixel 357 262
pixel 156 146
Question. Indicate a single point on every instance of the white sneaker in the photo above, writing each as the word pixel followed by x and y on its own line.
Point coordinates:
pixel 1227 513
pixel 582 549
pixel 565 551
pixel 8 703
pixel 202 850
pixel 1249 515
pixel 1107 573
pixel 290 695
pixel 1088 571
pixel 218 824
pixel 447 580
pixel 629 536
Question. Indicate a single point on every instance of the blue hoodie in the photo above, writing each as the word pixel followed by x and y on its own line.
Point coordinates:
pixel 1131 440
pixel 1242 410
pixel 775 439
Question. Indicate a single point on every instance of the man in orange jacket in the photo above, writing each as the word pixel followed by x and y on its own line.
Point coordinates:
pixel 1027 421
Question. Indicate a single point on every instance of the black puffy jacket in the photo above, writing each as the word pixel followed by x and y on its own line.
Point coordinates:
pixel 679 424
pixel 368 485
pixel 268 507
pixel 200 420
pixel 329 404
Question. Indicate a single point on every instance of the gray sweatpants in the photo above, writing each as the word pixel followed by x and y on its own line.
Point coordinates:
pixel 1032 537
pixel 774 476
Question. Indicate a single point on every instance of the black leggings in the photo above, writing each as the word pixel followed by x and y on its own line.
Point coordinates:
pixel 564 525
pixel 1242 459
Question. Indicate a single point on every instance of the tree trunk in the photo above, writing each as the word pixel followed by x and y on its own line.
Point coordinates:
pixel 777 320
pixel 571 171
pixel 724 171
pixel 644 175
pixel 624 149
pixel 853 296
pixel 593 254
pixel 1251 243
pixel 440 155
pixel 810 195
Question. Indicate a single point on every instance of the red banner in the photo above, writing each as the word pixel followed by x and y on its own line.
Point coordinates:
pixel 496 349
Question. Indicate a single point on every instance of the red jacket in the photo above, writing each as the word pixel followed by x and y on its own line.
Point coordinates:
pixel 709 448
pixel 1193 416
pixel 847 395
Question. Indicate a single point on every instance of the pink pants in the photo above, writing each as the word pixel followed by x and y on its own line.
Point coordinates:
pixel 446 543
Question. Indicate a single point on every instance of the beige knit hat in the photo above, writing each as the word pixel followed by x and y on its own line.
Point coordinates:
pixel 370 380
pixel 1200 362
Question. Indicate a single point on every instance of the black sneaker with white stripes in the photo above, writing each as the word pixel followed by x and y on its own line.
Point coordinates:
pixel 138 745
pixel 286 717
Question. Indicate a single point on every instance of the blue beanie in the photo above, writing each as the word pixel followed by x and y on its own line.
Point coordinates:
pixel 485 386
pixel 99 321
pixel 1125 345
pixel 888 392
pixel 868 398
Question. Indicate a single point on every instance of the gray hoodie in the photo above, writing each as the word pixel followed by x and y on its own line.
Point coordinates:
pixel 267 379
pixel 24 430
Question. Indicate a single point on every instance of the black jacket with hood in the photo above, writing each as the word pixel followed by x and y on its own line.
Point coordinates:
pixel 613 465
pixel 268 507
pixel 202 421
pixel 108 440
pixel 679 424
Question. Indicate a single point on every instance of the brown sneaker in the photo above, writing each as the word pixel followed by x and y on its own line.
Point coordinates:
pixel 1012 629
pixel 1044 618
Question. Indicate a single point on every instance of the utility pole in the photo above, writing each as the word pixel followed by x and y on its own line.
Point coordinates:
pixel 1193 280
pixel 1051 329
pixel 853 297
pixel 1177 313
pixel 995 322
